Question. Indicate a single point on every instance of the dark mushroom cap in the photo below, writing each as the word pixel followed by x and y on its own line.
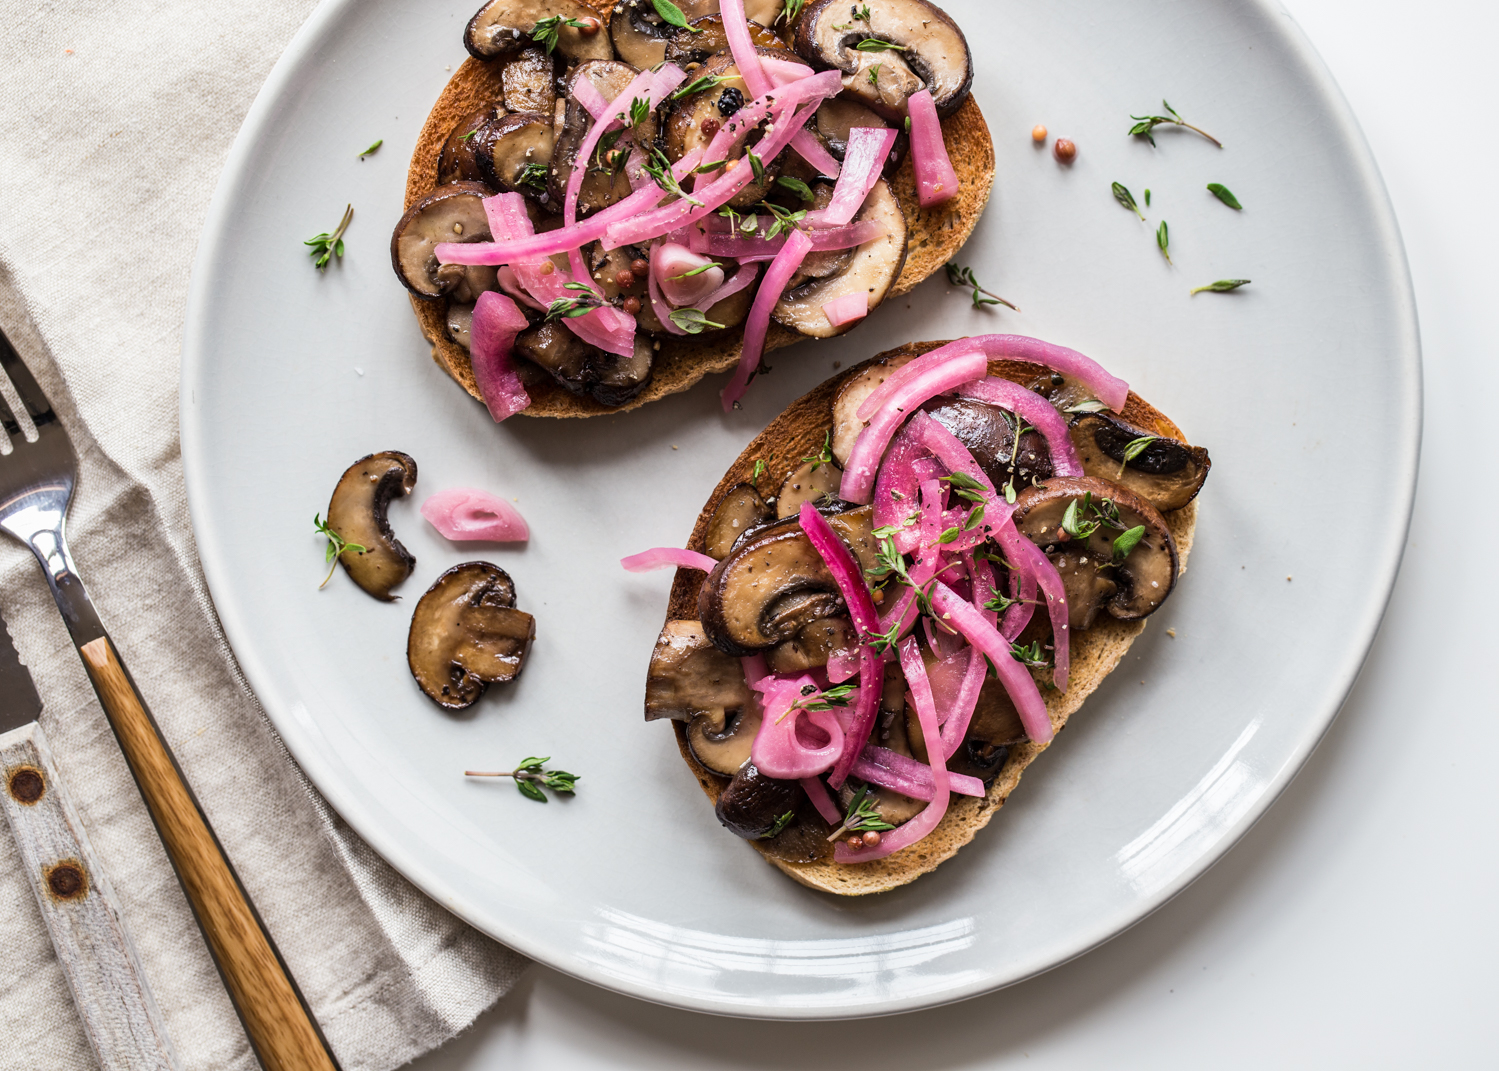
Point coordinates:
pixel 846 424
pixel 519 144
pixel 753 804
pixel 1096 578
pixel 357 512
pixel 503 27
pixel 530 82
pixel 1167 473
pixel 872 267
pixel 989 434
pixel 459 159
pixel 467 634
pixel 460 324
pixel 587 370
pixel 707 37
pixel 721 738
pixel 813 646
pixel 741 509
pixel 451 213
pixel 689 676
pixel 933 52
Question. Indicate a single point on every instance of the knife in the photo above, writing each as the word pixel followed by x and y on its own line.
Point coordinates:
pixel 119 1015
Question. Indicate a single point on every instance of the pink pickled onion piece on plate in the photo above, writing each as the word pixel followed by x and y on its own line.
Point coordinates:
pixel 463 513
pixel 497 320
pixel 925 821
pixel 666 558
pixel 1033 409
pixel 757 325
pixel 1017 681
pixel 890 769
pixel 936 181
pixel 859 475
pixel 848 309
pixel 868 148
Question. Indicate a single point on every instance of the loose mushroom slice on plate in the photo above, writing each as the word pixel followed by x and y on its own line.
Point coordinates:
pixel 871 268
pixel 989 434
pixel 721 739
pixel 931 54
pixel 846 423
pixel 467 634
pixel 530 82
pixel 762 594
pixel 741 510
pixel 1129 585
pixel 504 27
pixel 1166 472
pixel 358 513
pixel 587 370
pixel 452 213
pixel 459 159
pixel 602 186
pixel 517 158
pixel 689 676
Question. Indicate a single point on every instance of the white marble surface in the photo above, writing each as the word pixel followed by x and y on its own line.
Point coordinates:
pixel 1353 927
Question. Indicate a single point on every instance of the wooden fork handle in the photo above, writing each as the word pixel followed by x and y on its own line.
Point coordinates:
pixel 280 1026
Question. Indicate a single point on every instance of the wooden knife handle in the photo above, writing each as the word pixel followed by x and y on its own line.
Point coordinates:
pixel 280 1026
pixel 122 1022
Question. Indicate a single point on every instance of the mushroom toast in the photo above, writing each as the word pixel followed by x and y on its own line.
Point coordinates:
pixel 611 200
pixel 904 587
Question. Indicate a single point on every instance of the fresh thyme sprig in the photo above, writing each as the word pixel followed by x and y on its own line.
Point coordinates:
pixel 1029 654
pixel 1163 239
pixel 778 825
pixel 957 276
pixel 1134 448
pixel 862 816
pixel 327 246
pixel 533 175
pixel 660 170
pixel 874 73
pixel 874 44
pixel 759 471
pixel 1076 522
pixel 693 321
pixel 372 149
pixel 1145 125
pixel 861 13
pixel 697 85
pixel 791 11
pixel 531 776
pixel 572 308
pixel 785 220
pixel 1127 199
pixel 814 700
pixel 1224 194
pixel 336 546
pixel 545 33
pixel 823 456
pixel 1222 286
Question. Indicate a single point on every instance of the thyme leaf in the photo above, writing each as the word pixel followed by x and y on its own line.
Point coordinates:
pixel 1222 286
pixel 367 152
pixel 874 44
pixel 1127 199
pixel 672 15
pixel 964 277
pixel 1224 194
pixel 336 546
pixel 825 455
pixel 1145 125
pixel 1163 239
pixel 780 824
pixel 546 30
pixel 693 321
pixel 327 246
pixel 862 815
pixel 1128 541
pixel 796 186
pixel 1134 448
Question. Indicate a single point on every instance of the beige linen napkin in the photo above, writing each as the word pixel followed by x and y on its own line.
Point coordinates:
pixel 114 124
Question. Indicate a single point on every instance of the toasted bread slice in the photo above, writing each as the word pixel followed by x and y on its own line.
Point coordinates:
pixel 798 432
pixel 935 236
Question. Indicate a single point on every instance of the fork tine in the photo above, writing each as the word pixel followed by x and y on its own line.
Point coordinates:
pixel 9 422
pixel 37 405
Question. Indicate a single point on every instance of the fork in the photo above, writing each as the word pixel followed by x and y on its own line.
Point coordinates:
pixel 36 485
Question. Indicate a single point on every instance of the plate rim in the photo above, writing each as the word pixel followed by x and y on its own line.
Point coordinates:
pixel 258 122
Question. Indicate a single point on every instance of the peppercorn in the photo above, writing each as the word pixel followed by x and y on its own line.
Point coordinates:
pixel 1038 133
pixel 872 839
pixel 730 102
pixel 624 278
pixel 641 267
pixel 632 306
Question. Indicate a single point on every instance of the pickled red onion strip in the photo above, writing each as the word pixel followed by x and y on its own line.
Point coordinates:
pixel 1106 387
pixel 846 571
pixel 824 239
pixel 667 558
pixel 890 769
pixel 1034 409
pixel 639 86
pixel 936 181
pixel 511 285
pixel 588 95
pixel 817 792
pixel 955 728
pixel 497 321
pixel 794 742
pixel 907 463
pixel 1030 559
pixel 848 309
pixel 868 148
pixel 931 814
pixel 660 307
pixel 757 325
pixel 859 475
pixel 745 276
pixel 464 513
pixel 1018 683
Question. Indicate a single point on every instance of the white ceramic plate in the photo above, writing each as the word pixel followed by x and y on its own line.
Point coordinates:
pixel 1305 386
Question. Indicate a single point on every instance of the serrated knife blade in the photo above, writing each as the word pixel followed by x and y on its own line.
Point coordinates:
pixel 19 701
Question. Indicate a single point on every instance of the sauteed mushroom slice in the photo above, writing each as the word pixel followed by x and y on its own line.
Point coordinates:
pixel 517 158
pixel 707 37
pixel 836 117
pixel 504 27
pixel 586 370
pixel 452 213
pixel 754 806
pixel 766 591
pixel 467 634
pixel 357 512
pixel 530 82
pixel 1166 472
pixel 989 433
pixel 846 423
pixel 812 646
pixel 856 526
pixel 460 324
pixel 741 509
pixel 459 159
pixel 930 53
pixel 1101 573
pixel 812 481
pixel 689 676
pixel 603 183
pixel 871 268
pixel 720 739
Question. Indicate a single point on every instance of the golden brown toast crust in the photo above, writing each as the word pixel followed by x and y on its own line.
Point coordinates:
pixel 935 237
pixel 798 433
